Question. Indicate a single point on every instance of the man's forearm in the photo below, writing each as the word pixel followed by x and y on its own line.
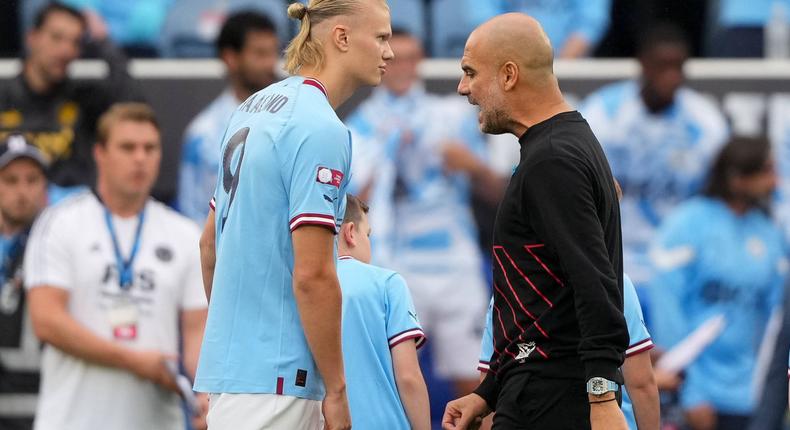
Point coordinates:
pixel 193 323
pixel 208 257
pixel 68 335
pixel 320 303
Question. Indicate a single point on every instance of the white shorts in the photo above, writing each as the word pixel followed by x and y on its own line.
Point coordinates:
pixel 451 308
pixel 263 412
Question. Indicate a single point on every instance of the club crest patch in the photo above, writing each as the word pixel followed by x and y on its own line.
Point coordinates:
pixel 329 176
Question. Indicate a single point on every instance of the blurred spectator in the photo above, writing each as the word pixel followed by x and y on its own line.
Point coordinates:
pixel 720 254
pixel 135 25
pixel 573 26
pixel 738 26
pixel 113 280
pixel 57 114
pixel 248 46
pixel 658 136
pixel 192 26
pixel 23 194
pixel 418 178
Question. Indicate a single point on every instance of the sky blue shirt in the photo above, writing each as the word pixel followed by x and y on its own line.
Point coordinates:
pixel 559 18
pixel 710 262
pixel 285 161
pixel 640 340
pixel 129 22
pixel 378 314
pixel 752 13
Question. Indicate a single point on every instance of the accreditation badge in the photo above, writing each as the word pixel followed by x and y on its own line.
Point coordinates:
pixel 124 316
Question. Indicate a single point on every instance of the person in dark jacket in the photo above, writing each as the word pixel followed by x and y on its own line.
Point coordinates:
pixel 57 114
pixel 559 332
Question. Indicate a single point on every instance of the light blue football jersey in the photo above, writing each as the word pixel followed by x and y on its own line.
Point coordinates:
pixel 712 262
pixel 378 314
pixel 284 164
pixel 640 340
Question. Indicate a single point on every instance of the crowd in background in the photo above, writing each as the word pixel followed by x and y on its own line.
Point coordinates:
pixel 601 28
pixel 699 237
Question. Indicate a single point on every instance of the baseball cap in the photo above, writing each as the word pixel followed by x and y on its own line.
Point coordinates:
pixel 17 146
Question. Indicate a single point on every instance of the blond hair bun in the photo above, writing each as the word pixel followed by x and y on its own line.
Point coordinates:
pixel 297 11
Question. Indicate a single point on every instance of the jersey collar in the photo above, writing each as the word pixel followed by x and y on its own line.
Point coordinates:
pixel 313 82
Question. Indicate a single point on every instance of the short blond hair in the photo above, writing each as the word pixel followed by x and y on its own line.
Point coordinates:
pixel 137 112
pixel 304 49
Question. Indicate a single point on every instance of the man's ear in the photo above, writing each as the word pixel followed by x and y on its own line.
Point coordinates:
pixel 509 74
pixel 340 37
pixel 230 58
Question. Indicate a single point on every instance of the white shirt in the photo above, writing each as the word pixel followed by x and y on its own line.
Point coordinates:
pixel 70 247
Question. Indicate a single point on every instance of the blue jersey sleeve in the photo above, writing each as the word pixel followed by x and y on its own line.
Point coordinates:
pixel 316 177
pixel 673 257
pixel 640 340
pixel 487 343
pixel 402 321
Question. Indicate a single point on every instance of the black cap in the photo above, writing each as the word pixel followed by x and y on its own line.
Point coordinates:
pixel 16 146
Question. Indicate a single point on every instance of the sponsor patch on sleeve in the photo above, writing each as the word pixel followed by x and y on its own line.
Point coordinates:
pixel 329 176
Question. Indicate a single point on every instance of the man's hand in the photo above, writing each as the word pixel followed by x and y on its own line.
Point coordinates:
pixel 152 365
pixel 336 413
pixel 465 413
pixel 669 381
pixel 458 158
pixel 97 26
pixel 199 419
pixel 606 416
pixel 702 417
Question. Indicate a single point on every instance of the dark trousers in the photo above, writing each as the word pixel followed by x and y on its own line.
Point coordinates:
pixel 732 422
pixel 531 402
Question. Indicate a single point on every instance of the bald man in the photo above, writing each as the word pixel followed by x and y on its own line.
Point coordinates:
pixel 559 331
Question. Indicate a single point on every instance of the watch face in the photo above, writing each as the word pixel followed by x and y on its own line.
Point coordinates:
pixel 598 385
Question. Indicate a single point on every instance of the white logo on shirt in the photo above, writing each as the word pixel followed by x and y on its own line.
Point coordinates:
pixel 324 176
pixel 524 350
pixel 756 247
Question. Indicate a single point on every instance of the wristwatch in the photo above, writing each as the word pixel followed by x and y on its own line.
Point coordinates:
pixel 598 386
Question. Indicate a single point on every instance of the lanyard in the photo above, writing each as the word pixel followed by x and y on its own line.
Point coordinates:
pixel 125 273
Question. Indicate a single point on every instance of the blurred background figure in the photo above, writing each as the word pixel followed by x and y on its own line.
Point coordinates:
pixel 134 25
pixel 193 26
pixel 573 26
pixel 248 47
pixel 23 194
pixel 720 255
pixel 659 136
pixel 58 115
pixel 742 28
pixel 419 179
pixel 115 291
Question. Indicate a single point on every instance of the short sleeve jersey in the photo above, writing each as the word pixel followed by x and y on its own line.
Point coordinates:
pixel 378 314
pixel 284 164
